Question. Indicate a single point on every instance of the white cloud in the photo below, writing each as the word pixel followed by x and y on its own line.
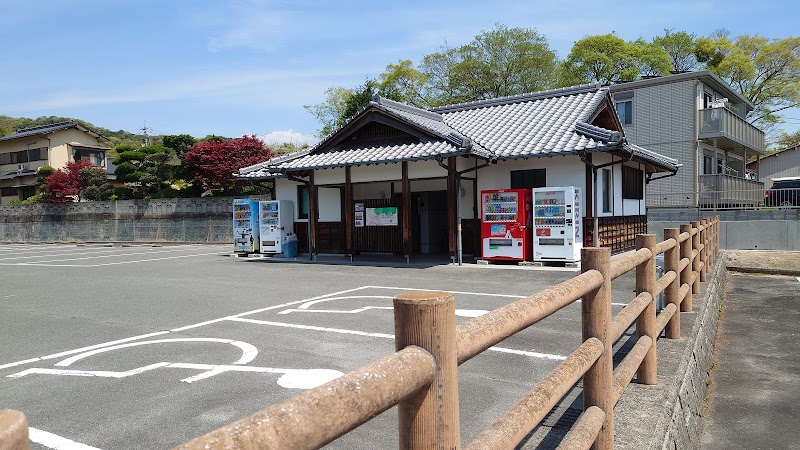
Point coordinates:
pixel 290 136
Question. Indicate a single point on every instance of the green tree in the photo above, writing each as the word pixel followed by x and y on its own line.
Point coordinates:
pixel 181 143
pixel 649 59
pixel 403 83
pixel 765 71
pixel 602 59
pixel 787 140
pixel 139 165
pixel 500 62
pixel 680 47
pixel 329 112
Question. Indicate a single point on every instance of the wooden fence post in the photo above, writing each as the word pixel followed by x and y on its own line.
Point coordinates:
pixel 13 430
pixel 696 261
pixel 596 318
pixel 672 263
pixel 646 322
pixel 430 418
pixel 704 251
pixel 686 273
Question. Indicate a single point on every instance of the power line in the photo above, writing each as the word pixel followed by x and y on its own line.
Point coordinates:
pixel 145 129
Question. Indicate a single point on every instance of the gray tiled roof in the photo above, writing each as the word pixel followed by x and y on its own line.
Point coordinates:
pixel 379 154
pixel 46 129
pixel 539 124
pixel 521 126
pixel 642 153
pixel 12 175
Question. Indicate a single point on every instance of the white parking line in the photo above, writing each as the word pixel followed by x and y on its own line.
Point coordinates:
pixel 56 442
pixel 68 251
pixel 518 297
pixel 95 256
pixel 111 263
pixel 387 336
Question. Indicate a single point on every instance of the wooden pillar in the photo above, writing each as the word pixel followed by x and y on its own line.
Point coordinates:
pixel 646 322
pixel 349 221
pixel 429 419
pixel 704 252
pixel 686 273
pixel 312 212
pixel 672 263
pixel 13 430
pixel 596 318
pixel 696 261
pixel 406 211
pixel 451 205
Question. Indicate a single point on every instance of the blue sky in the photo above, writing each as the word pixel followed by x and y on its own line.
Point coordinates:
pixel 235 67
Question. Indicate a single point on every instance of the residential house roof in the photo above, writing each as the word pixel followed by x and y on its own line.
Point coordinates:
pixel 708 78
pixel 50 128
pixel 548 123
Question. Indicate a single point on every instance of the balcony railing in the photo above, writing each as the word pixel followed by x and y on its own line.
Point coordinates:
pixel 733 130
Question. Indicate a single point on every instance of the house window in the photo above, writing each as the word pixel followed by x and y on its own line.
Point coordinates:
pixel 708 165
pixel 707 99
pixel 632 183
pixel 8 192
pixel 625 112
pixel 528 179
pixel 302 201
pixel 606 190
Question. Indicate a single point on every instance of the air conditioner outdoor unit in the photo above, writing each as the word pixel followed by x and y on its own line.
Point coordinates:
pixel 22 167
pixel 720 103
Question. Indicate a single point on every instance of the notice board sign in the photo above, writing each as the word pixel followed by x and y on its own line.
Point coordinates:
pixel 382 217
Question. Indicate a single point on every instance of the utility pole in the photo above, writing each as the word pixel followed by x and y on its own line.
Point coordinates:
pixel 145 129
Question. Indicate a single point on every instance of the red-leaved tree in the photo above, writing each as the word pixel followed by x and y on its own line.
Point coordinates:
pixel 63 185
pixel 213 163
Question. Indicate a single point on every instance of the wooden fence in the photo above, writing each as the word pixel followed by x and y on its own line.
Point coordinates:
pixel 421 378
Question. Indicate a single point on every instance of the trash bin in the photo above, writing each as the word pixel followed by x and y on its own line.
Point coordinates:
pixel 289 246
pixel 659 274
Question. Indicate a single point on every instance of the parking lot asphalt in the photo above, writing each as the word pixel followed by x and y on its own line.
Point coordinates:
pixel 754 400
pixel 149 346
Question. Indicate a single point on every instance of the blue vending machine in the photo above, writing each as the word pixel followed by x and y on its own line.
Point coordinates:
pixel 245 225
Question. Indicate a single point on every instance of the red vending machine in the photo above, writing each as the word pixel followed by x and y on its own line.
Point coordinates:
pixel 506 224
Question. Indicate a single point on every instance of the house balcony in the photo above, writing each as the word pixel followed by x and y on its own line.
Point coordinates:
pixel 726 190
pixel 730 130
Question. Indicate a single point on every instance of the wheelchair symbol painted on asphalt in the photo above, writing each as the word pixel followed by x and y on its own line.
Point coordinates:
pixel 290 378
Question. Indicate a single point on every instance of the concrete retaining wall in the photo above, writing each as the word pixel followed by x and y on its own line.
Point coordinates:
pixel 680 427
pixel 746 234
pixel 165 220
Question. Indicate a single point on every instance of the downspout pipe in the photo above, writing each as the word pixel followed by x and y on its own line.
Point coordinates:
pixel 595 220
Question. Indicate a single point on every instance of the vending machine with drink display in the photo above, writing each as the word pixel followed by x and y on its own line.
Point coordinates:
pixel 245 225
pixel 276 221
pixel 558 235
pixel 506 224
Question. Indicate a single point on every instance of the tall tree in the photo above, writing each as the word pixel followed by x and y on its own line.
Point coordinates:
pixel 499 62
pixel 181 143
pixel 765 71
pixel 602 59
pixel 330 111
pixel 213 163
pixel 680 47
pixel 649 58
pixel 403 83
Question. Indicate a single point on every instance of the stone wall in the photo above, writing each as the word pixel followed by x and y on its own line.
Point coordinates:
pixel 164 220
pixel 680 427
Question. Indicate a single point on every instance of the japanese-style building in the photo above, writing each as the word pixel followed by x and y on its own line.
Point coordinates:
pixel 432 164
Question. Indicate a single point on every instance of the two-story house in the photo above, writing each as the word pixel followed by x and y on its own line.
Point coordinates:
pixel 698 119
pixel 23 152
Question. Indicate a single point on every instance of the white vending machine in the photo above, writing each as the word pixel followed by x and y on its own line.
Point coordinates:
pixel 276 221
pixel 557 217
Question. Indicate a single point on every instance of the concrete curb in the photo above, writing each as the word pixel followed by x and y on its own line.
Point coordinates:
pixel 764 271
pixel 679 427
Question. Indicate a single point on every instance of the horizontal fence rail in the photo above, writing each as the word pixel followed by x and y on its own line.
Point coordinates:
pixel 421 378
pixel 752 197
